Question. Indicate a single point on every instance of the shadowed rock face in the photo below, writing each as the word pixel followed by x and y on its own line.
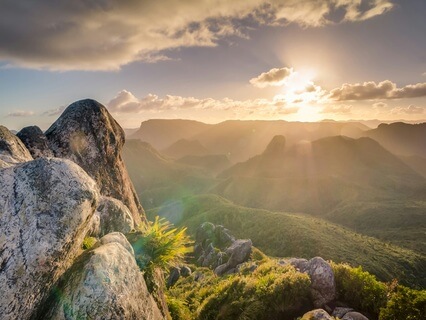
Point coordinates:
pixel 45 207
pixel 35 141
pixel 87 134
pixel 12 150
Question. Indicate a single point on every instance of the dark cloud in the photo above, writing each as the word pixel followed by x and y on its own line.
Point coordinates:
pixel 107 34
pixel 373 91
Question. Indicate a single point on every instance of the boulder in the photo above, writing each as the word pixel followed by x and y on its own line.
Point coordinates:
pixel 114 216
pixel 117 237
pixel 205 232
pixel 104 284
pixel 299 264
pixel 185 271
pixel 354 316
pixel 238 252
pixel 87 134
pixel 45 209
pixel 35 141
pixel 323 287
pixel 339 312
pixel 12 150
pixel 173 276
pixel 223 237
pixel 317 314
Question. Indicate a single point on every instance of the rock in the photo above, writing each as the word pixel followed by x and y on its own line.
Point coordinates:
pixel 317 314
pixel 354 316
pixel 323 287
pixel 35 141
pixel 45 207
pixel 299 264
pixel 185 271
pixel 117 237
pixel 173 276
pixel 12 150
pixel 339 312
pixel 239 252
pixel 105 283
pixel 223 237
pixel 87 134
pixel 114 216
pixel 205 232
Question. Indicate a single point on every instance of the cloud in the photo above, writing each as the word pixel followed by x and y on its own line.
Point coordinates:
pixel 107 34
pixel 379 105
pixel 337 109
pixel 20 113
pixel 126 102
pixel 411 109
pixel 54 112
pixel 273 77
pixel 373 91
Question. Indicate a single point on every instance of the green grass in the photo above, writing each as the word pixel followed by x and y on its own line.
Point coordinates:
pixel 297 235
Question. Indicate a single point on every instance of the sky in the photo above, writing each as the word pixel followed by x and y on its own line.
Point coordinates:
pixel 295 60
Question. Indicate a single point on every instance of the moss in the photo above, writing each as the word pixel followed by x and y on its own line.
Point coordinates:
pixel 88 242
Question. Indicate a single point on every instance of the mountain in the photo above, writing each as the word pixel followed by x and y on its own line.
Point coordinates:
pixel 401 138
pixel 161 133
pixel 417 163
pixel 213 163
pixel 184 147
pixel 281 234
pixel 159 179
pixel 240 140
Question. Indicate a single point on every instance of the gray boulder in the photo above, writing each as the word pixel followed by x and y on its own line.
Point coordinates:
pixel 323 287
pixel 117 237
pixel 238 252
pixel 185 271
pixel 12 150
pixel 173 276
pixel 35 141
pixel 317 314
pixel 339 312
pixel 45 207
pixel 87 134
pixel 104 284
pixel 114 216
pixel 354 316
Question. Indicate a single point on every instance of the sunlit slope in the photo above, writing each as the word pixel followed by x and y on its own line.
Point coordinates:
pixel 296 235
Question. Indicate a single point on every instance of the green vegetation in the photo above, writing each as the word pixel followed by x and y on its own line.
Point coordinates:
pixel 405 303
pixel 159 245
pixel 88 242
pixel 297 235
pixel 270 292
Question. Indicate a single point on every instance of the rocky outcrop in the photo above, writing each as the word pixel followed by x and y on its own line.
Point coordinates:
pixel 317 314
pixel 216 248
pixel 323 287
pixel 12 150
pixel 177 272
pixel 113 216
pixel 104 283
pixel 35 141
pixel 339 312
pixel 87 134
pixel 354 316
pixel 46 205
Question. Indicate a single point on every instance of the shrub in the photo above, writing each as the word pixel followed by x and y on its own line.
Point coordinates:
pixel 159 245
pixel 88 242
pixel 405 303
pixel 359 289
pixel 178 309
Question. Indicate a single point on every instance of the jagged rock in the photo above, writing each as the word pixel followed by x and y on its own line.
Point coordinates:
pixel 354 316
pixel 46 205
pixel 300 264
pixel 317 314
pixel 114 216
pixel 205 232
pixel 87 134
pixel 35 141
pixel 173 276
pixel 12 150
pixel 238 252
pixel 223 236
pixel 105 283
pixel 339 312
pixel 117 237
pixel 323 287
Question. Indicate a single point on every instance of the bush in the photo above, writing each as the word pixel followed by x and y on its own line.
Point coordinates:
pixel 88 242
pixel 159 245
pixel 359 289
pixel 178 309
pixel 406 304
